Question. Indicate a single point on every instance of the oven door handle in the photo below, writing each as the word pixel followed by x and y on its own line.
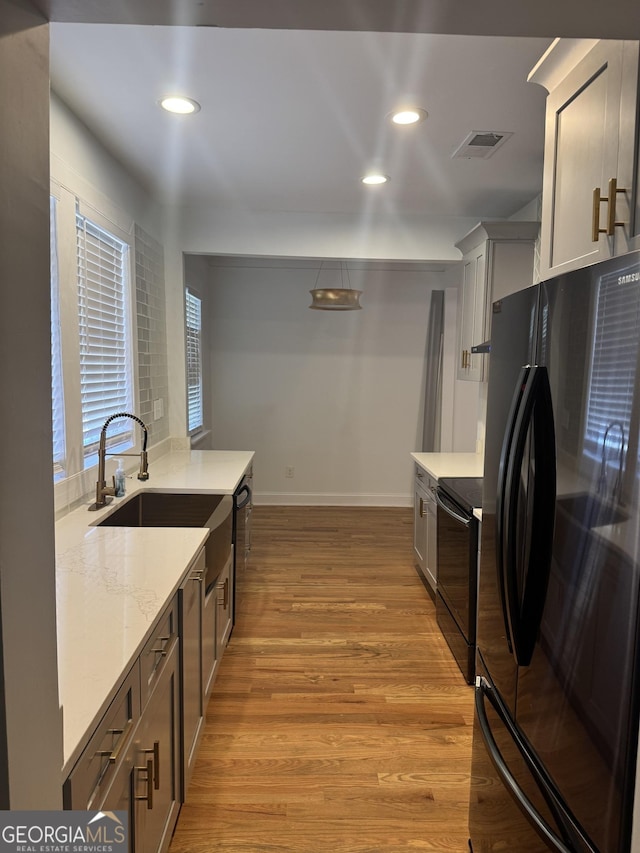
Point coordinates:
pixel 445 505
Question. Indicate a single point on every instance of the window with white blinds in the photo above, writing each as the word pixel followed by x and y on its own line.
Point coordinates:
pixel 57 396
pixel 614 363
pixel 193 319
pixel 105 350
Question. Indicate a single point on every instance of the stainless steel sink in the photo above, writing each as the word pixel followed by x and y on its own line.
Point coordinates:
pixel 589 511
pixel 161 509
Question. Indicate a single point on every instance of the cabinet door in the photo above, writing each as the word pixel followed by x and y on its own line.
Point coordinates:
pixel 424 528
pixel 209 644
pixel 120 797
pixel 157 770
pixel 191 594
pixel 420 523
pixel 224 589
pixel 582 144
pixel 432 542
pixel 473 314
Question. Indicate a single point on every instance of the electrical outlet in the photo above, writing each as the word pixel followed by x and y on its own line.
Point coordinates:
pixel 288 471
pixel 158 408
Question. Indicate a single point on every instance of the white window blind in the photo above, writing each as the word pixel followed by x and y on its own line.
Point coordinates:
pixel 193 316
pixel 105 360
pixel 614 362
pixel 57 396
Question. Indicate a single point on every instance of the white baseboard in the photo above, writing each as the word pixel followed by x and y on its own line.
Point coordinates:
pixel 327 499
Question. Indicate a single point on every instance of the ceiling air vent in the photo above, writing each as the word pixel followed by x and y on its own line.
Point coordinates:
pixel 481 144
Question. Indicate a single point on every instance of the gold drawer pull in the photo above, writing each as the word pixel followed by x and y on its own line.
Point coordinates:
pixel 114 754
pixel 163 650
pixel 148 769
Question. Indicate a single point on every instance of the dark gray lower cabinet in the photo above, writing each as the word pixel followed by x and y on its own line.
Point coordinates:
pixel 157 770
pixel 146 781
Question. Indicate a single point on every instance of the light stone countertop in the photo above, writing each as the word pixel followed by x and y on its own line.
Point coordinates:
pixel 439 465
pixel 113 583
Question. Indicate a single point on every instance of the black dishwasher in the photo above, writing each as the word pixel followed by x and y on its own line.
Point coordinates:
pixel 457 591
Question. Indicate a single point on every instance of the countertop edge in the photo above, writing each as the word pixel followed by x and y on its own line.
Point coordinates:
pixel 439 465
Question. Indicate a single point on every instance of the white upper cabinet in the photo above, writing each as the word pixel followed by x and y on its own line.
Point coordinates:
pixel 497 260
pixel 590 133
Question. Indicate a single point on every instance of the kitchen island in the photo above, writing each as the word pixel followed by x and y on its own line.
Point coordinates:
pixel 113 584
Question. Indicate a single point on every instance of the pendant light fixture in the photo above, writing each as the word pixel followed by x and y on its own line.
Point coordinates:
pixel 335 298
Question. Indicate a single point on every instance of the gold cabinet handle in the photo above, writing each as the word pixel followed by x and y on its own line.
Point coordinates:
pixel 421 510
pixel 612 222
pixel 464 357
pixel 148 769
pixel 595 216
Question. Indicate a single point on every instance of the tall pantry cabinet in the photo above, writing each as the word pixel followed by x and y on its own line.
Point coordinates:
pixel 497 259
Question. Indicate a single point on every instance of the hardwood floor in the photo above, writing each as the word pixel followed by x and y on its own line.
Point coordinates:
pixel 339 721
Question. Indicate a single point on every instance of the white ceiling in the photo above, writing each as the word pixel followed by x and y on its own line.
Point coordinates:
pixel 291 119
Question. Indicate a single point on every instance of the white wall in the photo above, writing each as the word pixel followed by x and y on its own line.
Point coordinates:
pixel 428 237
pixel 30 723
pixel 80 163
pixel 83 171
pixel 336 395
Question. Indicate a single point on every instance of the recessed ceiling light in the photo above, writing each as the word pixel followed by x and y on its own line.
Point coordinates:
pixel 409 115
pixel 179 105
pixel 375 179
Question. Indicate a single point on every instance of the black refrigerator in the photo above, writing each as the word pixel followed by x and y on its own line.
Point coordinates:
pixel 556 697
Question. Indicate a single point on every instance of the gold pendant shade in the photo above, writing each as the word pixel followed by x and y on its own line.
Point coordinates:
pixel 335 298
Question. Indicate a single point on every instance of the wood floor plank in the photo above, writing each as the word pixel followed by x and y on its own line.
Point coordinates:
pixel 339 720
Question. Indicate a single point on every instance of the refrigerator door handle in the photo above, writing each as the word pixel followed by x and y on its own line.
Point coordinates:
pixel 574 838
pixel 524 610
pixel 503 486
pixel 543 517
